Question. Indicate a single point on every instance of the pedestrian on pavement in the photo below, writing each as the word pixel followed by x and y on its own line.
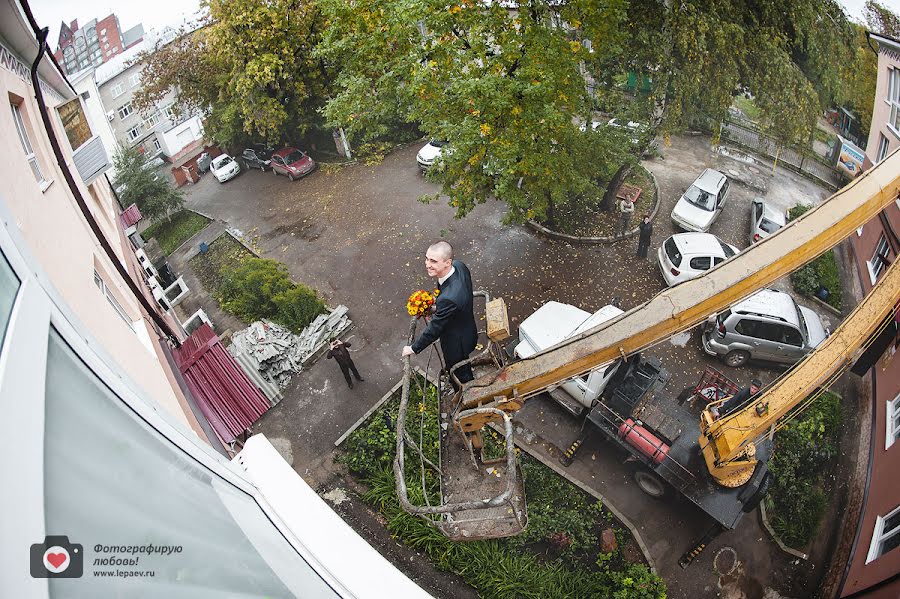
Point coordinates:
pixel 338 351
pixel 453 321
pixel 626 209
pixel 646 228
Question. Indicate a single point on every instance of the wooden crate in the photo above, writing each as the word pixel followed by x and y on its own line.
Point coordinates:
pixel 497 320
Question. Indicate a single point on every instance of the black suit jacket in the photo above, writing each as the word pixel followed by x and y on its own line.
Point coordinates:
pixel 453 321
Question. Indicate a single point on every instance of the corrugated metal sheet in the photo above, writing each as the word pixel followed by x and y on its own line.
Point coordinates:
pixel 270 390
pixel 230 402
pixel 131 216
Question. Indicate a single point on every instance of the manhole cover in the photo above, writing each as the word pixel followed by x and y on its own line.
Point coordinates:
pixel 725 561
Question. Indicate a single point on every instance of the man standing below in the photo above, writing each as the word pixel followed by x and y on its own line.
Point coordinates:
pixel 626 209
pixel 338 351
pixel 453 321
pixel 646 228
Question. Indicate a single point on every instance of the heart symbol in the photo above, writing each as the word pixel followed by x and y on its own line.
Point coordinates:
pixel 57 559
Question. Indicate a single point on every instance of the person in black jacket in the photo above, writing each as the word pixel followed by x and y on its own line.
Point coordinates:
pixel 338 351
pixel 646 228
pixel 740 399
pixel 453 321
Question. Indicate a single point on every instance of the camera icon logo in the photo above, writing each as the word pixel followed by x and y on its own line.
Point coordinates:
pixel 56 557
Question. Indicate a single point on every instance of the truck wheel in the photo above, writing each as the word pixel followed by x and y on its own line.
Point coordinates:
pixel 650 483
pixel 736 358
pixel 760 494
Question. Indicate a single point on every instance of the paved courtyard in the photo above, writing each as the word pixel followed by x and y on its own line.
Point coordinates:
pixel 358 235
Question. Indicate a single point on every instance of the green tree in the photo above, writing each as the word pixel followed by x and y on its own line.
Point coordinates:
pixel 249 69
pixel 505 87
pixel 138 184
pixel 881 19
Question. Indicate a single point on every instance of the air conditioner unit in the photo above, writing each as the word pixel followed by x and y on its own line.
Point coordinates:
pixel 110 116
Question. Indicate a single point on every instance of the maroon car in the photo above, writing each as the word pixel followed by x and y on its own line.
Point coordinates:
pixel 292 162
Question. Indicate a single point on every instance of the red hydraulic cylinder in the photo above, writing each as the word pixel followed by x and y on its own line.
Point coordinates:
pixel 644 441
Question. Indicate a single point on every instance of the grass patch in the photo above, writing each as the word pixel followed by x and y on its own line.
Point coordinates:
pixel 171 233
pixel 584 217
pixel 254 288
pixel 747 106
pixel 821 273
pixel 805 450
pixel 555 557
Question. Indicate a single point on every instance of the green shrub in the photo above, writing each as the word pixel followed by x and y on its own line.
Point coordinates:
pixel 804 450
pixel 820 273
pixel 262 288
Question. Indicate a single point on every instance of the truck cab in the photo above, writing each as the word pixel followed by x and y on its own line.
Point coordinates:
pixel 554 323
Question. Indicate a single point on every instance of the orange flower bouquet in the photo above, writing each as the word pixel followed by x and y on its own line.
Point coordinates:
pixel 421 303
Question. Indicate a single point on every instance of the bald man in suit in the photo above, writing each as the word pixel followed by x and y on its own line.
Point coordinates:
pixel 453 321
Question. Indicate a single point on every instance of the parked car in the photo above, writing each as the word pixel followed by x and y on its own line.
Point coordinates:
pixel 429 153
pixel 764 220
pixel 292 162
pixel 686 256
pixel 636 133
pixel 224 167
pixel 702 202
pixel 769 325
pixel 257 157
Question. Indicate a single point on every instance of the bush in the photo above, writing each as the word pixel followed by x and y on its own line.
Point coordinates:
pixel 262 288
pixel 804 450
pixel 820 273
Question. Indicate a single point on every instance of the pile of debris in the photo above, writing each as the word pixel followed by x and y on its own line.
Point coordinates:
pixel 276 353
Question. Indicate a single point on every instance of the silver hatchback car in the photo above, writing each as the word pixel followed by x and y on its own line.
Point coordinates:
pixel 769 325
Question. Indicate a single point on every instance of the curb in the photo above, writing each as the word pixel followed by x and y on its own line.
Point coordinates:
pixel 775 537
pixel 825 306
pixel 598 240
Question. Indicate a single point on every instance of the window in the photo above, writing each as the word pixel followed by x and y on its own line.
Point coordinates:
pixel 75 123
pixel 886 535
pixel 101 285
pixel 9 288
pixel 893 99
pixel 882 148
pixel 151 120
pixel 118 90
pixel 135 80
pixel 700 263
pixel 746 327
pixel 133 133
pixel 26 144
pixel 125 110
pixel 156 145
pixel 893 422
pixel 169 112
pixel 791 336
pixel 879 258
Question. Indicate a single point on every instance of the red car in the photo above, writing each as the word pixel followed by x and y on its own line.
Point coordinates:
pixel 292 162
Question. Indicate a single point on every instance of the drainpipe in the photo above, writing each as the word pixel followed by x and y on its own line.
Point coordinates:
pixel 76 193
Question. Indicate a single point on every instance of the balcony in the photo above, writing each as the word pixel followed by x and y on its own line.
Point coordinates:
pixel 91 159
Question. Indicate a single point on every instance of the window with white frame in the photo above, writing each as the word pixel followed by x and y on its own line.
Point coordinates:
pixel 886 535
pixel 156 145
pixel 882 148
pixel 169 112
pixel 118 90
pixel 893 98
pixel 879 259
pixel 104 289
pixel 135 80
pixel 151 120
pixel 126 110
pixel 134 133
pixel 893 422
pixel 26 143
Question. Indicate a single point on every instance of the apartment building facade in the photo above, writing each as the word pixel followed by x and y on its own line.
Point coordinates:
pixel 157 132
pixel 93 44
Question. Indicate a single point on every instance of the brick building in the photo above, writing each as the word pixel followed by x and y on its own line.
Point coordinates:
pixel 93 44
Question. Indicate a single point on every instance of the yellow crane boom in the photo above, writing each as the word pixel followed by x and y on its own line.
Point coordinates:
pixel 683 306
pixel 725 441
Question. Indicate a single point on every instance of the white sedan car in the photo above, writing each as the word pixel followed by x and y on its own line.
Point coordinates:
pixel 429 153
pixel 224 167
pixel 686 256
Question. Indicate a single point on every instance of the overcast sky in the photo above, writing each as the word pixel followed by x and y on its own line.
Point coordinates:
pixel 156 13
